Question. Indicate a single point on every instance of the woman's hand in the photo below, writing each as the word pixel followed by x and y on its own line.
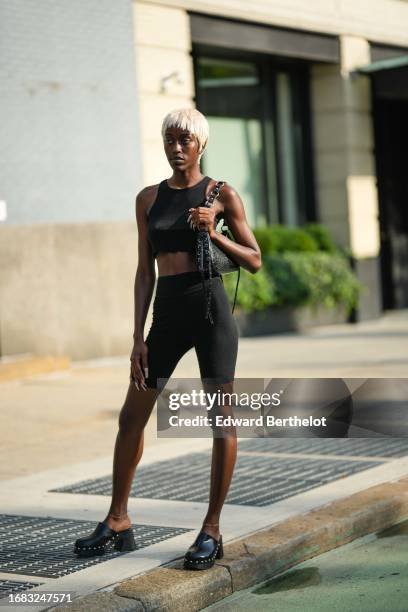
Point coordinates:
pixel 202 218
pixel 138 364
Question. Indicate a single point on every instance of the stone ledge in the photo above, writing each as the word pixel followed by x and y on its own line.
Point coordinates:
pixel 259 556
pixel 102 602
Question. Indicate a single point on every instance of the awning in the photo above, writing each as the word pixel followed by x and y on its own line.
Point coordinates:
pixel 387 64
pixel 389 77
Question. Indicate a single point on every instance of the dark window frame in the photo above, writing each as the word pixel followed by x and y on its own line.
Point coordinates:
pixel 232 33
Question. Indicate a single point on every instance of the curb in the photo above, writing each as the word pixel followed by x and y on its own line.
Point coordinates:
pixel 256 557
pixel 14 367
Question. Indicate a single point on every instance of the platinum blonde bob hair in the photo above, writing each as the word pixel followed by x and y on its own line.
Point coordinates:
pixel 188 119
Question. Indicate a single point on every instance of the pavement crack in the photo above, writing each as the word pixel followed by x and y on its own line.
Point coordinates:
pixel 247 551
pixel 132 599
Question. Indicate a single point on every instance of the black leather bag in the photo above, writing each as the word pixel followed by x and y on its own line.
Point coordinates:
pixel 210 257
pixel 220 261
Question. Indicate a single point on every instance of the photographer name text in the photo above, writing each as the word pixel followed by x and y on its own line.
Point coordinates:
pixel 259 421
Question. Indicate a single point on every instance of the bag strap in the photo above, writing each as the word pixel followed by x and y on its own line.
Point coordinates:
pixel 236 288
pixel 213 195
pixel 209 202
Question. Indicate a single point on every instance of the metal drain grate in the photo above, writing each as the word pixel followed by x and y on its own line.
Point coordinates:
pixel 37 546
pixel 359 447
pixel 14 586
pixel 259 480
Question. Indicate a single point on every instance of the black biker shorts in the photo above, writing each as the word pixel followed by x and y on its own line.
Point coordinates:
pixel 179 324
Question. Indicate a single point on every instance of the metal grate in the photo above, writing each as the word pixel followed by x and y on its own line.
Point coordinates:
pixel 38 546
pixel 15 586
pixel 374 447
pixel 258 480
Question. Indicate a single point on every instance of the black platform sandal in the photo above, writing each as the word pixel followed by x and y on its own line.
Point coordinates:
pixel 203 552
pixel 101 538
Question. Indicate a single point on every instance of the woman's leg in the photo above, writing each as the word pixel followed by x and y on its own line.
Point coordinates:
pixel 217 349
pixel 166 344
pixel 222 463
pixel 128 451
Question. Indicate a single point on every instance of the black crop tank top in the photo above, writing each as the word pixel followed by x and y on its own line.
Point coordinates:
pixel 168 228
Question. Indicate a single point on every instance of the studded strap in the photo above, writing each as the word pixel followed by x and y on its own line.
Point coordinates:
pixel 203 252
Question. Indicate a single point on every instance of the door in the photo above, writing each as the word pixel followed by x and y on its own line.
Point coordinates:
pixel 391 137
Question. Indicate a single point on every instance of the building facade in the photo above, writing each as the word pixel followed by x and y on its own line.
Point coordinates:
pixel 306 103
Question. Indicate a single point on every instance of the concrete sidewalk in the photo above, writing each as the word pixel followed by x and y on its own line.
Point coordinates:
pixel 48 416
pixel 56 469
pixel 319 493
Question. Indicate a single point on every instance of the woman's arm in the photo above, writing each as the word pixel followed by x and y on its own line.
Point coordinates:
pixel 145 273
pixel 143 290
pixel 245 251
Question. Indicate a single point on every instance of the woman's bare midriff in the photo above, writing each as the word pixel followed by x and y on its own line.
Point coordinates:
pixel 176 263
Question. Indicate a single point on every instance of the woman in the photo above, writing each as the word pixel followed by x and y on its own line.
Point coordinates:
pixel 168 215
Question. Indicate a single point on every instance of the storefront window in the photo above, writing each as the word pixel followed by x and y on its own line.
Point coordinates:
pixel 230 97
pixel 255 142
